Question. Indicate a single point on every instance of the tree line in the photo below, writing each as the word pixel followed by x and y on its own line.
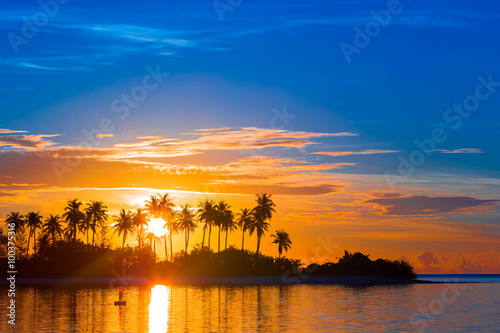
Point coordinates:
pixel 92 220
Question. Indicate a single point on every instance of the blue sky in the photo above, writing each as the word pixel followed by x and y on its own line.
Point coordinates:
pixel 265 57
pixel 268 54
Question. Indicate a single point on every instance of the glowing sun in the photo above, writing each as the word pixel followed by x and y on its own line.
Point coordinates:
pixel 156 227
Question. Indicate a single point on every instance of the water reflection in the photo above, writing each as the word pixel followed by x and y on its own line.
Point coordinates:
pixel 162 308
pixel 159 309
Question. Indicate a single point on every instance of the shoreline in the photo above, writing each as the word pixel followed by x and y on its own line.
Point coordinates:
pixel 347 280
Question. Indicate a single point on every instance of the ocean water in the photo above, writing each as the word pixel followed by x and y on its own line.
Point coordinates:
pixel 472 278
pixel 443 307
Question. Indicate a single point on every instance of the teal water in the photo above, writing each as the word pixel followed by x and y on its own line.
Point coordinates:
pixel 469 307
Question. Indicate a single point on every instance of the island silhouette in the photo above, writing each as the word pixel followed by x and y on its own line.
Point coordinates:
pixel 59 252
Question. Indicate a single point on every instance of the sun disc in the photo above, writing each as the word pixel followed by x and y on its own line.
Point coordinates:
pixel 156 227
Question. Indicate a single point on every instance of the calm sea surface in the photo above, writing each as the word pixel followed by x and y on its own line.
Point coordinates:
pixel 470 307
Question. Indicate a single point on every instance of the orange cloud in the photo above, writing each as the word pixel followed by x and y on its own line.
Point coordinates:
pixel 9 131
pixel 30 142
pixel 103 135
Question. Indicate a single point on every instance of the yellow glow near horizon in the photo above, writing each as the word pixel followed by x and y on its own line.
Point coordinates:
pixel 156 227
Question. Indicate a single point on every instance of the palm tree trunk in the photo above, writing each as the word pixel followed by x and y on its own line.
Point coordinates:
pixel 93 234
pixel 165 240
pixel 203 241
pixel 171 248
pixel 209 233
pixel 87 236
pixel 28 249
pixel 34 242
pixel 225 247
pixel 258 244
pixel 186 239
pixel 218 249
pixel 243 240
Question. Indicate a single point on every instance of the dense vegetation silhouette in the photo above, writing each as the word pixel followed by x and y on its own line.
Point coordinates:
pixel 78 244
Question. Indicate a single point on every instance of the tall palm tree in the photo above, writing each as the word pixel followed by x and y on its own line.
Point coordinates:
pixel 173 228
pixel 124 224
pixel 186 222
pixel 74 217
pixel 98 216
pixel 206 214
pixel 245 220
pixel 220 216
pixel 153 207
pixel 166 206
pixel 228 224
pixel 17 220
pixel 140 221
pixel 153 239
pixel 33 222
pixel 86 223
pixel 282 238
pixel 262 212
pixel 53 226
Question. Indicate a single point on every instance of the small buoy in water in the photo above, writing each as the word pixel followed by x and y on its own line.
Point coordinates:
pixel 120 295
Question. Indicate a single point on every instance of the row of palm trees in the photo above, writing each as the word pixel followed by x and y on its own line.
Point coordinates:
pixel 209 214
pixel 94 215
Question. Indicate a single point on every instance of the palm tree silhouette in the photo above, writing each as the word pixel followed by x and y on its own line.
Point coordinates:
pixel 86 223
pixel 166 207
pixel 282 238
pixel 124 224
pixel 17 219
pixel 53 226
pixel 140 220
pixel 98 216
pixel 262 212
pixel 228 224
pixel 206 213
pixel 153 239
pixel 186 222
pixel 173 228
pixel 33 222
pixel 220 216
pixel 74 217
pixel 245 220
pixel 153 207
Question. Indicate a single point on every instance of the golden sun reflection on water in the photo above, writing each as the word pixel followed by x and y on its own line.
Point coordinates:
pixel 159 308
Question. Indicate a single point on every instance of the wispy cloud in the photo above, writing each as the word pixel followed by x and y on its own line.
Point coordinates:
pixel 104 135
pixel 9 131
pixel 427 205
pixel 460 151
pixel 29 142
pixel 362 152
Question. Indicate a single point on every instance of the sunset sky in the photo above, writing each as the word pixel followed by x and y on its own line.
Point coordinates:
pixel 391 149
